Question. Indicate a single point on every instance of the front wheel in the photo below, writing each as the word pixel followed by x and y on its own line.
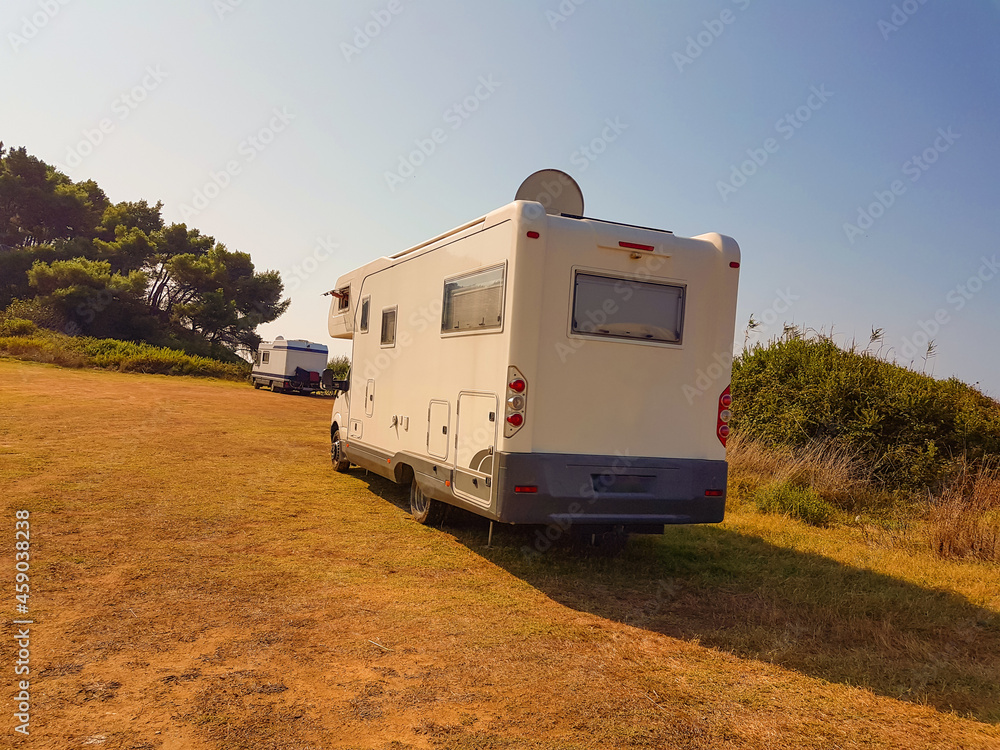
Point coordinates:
pixel 340 462
pixel 423 509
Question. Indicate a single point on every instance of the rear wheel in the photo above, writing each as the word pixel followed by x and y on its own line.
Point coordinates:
pixel 423 509
pixel 340 462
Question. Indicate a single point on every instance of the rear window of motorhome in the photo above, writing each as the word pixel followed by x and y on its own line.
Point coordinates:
pixel 473 302
pixel 364 314
pixel 389 327
pixel 628 309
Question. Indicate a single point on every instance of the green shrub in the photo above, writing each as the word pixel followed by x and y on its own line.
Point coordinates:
pixel 785 498
pixel 111 354
pixel 41 348
pixel 17 327
pixel 911 430
pixel 340 366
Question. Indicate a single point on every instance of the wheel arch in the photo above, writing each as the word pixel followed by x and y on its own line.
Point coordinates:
pixel 402 473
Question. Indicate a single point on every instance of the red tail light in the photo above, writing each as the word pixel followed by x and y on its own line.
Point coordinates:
pixel 722 426
pixel 516 401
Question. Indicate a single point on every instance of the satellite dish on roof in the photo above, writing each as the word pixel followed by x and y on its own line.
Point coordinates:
pixel 555 190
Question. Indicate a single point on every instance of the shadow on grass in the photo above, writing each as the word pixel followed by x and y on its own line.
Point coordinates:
pixel 741 594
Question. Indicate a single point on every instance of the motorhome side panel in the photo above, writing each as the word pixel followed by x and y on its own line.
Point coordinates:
pixel 272 364
pixel 419 391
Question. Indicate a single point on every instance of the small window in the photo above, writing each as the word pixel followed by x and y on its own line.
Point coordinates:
pixel 256 358
pixel 343 298
pixel 265 357
pixel 389 327
pixel 627 309
pixel 363 328
pixel 473 302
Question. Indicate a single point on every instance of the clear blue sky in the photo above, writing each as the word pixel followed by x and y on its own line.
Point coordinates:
pixel 695 89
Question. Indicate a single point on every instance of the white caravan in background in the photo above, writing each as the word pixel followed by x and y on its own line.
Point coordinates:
pixel 535 366
pixel 289 365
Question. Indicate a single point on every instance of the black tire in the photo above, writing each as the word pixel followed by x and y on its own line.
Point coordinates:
pixel 423 509
pixel 256 385
pixel 340 462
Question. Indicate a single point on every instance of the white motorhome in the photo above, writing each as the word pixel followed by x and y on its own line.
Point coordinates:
pixel 535 366
pixel 289 365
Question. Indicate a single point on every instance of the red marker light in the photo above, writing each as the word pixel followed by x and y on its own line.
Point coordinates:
pixel 517 385
pixel 734 264
pixel 516 419
pixel 636 246
pixel 528 489
pixel 713 493
pixel 724 431
pixel 727 400
pixel 534 235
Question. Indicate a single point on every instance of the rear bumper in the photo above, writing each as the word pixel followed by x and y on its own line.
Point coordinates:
pixel 616 490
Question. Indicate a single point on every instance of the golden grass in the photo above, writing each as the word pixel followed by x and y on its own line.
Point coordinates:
pixel 961 521
pixel 202 579
pixel 833 472
pixel 965 519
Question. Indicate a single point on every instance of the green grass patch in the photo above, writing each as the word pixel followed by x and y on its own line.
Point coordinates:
pixel 785 498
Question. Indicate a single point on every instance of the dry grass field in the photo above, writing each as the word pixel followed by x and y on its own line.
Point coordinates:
pixel 201 578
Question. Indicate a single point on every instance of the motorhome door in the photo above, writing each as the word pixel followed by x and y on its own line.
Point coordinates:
pixel 475 442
